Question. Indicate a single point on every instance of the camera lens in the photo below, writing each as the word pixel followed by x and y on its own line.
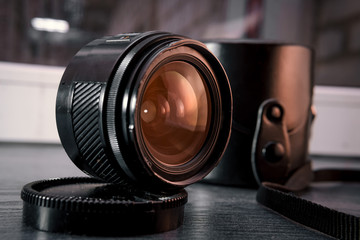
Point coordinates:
pixel 177 101
pixel 153 109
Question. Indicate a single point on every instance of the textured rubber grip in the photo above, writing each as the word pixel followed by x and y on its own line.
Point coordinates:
pixel 86 121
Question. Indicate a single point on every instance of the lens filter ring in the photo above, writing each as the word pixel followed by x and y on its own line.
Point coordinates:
pixel 203 101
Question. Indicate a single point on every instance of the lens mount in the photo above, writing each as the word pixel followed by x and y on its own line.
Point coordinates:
pixel 110 101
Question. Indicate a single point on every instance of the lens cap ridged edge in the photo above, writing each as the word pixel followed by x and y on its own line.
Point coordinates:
pixel 47 208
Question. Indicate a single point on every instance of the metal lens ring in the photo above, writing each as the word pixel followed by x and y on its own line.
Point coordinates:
pixel 178 115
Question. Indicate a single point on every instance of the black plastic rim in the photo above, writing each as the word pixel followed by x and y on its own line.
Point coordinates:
pixel 90 206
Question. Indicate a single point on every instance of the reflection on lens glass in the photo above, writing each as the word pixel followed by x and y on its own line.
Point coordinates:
pixel 175 113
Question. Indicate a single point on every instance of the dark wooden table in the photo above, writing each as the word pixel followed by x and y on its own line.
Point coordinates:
pixel 213 212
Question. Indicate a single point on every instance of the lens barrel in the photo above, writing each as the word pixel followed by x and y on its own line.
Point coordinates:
pixel 153 109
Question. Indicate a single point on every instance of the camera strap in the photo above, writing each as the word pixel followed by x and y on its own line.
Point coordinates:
pixel 285 200
pixel 273 157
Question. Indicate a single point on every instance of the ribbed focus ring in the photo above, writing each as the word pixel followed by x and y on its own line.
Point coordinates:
pixel 85 117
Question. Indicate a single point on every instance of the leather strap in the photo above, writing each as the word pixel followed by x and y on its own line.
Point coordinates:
pixel 282 199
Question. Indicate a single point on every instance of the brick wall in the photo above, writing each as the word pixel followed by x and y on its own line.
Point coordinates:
pixel 337 42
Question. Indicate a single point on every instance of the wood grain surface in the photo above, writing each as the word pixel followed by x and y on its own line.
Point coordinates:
pixel 213 212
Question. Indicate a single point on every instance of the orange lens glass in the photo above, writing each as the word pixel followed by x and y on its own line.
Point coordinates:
pixel 175 113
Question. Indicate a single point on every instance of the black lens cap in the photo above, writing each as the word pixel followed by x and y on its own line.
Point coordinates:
pixel 89 206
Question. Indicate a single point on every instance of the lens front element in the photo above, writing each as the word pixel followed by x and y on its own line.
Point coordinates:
pixel 175 113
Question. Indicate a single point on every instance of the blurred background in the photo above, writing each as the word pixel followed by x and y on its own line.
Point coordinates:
pixel 39 37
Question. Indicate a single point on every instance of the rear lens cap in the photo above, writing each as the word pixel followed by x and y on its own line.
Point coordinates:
pixel 89 206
